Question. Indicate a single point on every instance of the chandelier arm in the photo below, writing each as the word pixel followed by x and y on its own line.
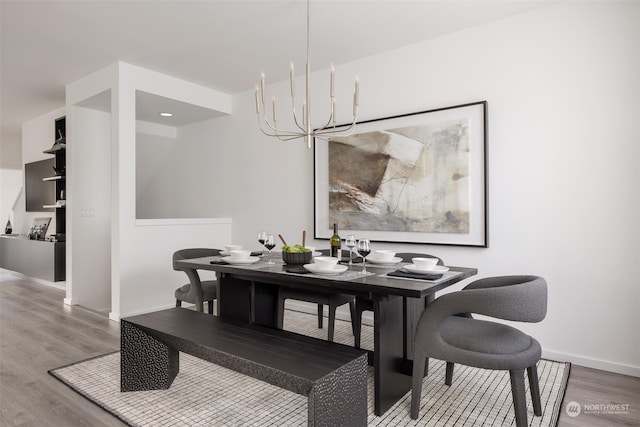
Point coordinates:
pixel 281 137
pixel 344 132
pixel 279 133
pixel 329 122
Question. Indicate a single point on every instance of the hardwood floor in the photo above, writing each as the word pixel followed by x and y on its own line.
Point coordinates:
pixel 38 332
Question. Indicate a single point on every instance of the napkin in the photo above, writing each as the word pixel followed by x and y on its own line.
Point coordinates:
pixel 400 273
pixel 256 253
pixel 218 262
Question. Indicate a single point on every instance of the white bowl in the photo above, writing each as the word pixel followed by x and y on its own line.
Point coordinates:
pixel 325 262
pixel 386 256
pixel 230 248
pixel 239 255
pixel 425 264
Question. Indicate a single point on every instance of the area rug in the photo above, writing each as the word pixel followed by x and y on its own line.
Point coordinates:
pixel 204 394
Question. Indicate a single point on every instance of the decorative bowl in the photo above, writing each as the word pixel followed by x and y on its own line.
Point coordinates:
pixel 297 257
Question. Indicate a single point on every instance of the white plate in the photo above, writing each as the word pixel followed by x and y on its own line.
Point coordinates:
pixel 250 260
pixel 438 269
pixel 394 260
pixel 224 253
pixel 312 268
pixel 316 253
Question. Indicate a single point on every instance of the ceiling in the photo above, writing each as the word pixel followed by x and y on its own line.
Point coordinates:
pixel 223 45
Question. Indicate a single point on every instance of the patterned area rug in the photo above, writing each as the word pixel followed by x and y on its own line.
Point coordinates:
pixel 206 394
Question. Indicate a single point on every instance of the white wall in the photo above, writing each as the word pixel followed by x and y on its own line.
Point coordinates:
pixel 142 279
pixel 563 151
pixel 137 259
pixel 89 204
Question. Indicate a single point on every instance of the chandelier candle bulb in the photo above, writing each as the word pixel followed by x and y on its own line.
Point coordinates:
pixel 273 100
pixel 257 100
pixel 304 114
pixel 356 93
pixel 333 111
pixel 333 77
pixel 293 86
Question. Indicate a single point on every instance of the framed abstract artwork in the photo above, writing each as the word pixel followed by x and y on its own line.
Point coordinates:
pixel 413 178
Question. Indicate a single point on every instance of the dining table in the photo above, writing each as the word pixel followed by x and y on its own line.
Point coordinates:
pixel 248 291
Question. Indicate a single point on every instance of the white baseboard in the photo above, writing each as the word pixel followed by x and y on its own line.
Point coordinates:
pixel 588 362
pixel 70 301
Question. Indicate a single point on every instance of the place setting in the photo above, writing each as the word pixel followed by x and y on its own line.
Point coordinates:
pixel 383 258
pixel 235 255
pixel 325 265
pixel 422 268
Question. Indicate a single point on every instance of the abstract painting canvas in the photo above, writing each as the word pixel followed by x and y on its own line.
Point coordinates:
pixel 415 178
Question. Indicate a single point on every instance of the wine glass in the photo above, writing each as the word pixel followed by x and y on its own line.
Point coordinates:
pixel 364 249
pixel 269 243
pixel 350 242
pixel 261 238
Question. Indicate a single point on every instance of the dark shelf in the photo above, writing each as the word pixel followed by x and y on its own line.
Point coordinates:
pixel 55 149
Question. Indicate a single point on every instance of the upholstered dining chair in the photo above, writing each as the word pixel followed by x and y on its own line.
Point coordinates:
pixel 444 334
pixel 196 291
pixel 365 304
pixel 332 299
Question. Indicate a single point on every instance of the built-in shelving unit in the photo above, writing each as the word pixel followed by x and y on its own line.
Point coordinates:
pixel 59 150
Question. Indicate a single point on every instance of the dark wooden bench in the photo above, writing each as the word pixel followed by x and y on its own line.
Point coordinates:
pixel 332 376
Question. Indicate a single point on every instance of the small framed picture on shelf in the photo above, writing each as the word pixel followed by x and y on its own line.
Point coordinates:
pixel 39 228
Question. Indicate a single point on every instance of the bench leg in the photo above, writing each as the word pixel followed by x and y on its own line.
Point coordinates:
pixel 340 398
pixel 145 362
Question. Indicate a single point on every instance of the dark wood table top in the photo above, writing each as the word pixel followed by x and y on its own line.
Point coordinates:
pixel 377 283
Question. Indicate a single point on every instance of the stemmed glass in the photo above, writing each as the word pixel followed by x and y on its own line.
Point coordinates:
pixel 261 238
pixel 350 242
pixel 269 243
pixel 364 249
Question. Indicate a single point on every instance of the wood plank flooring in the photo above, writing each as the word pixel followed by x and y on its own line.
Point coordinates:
pixel 38 332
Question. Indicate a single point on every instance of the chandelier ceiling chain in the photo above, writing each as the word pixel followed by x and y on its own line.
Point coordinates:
pixel 304 129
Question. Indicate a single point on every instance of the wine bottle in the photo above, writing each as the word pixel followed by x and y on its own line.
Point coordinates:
pixel 335 242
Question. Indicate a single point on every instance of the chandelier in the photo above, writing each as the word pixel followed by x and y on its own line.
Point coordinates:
pixel 303 123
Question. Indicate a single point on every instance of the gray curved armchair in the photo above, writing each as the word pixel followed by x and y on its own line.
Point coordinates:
pixel 365 304
pixel 196 291
pixel 444 334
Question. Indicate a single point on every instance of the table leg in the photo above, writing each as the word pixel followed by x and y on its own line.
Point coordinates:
pixel 413 308
pixel 234 298
pixel 264 304
pixel 390 384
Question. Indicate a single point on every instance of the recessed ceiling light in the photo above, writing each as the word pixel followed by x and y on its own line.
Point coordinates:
pixel 166 114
